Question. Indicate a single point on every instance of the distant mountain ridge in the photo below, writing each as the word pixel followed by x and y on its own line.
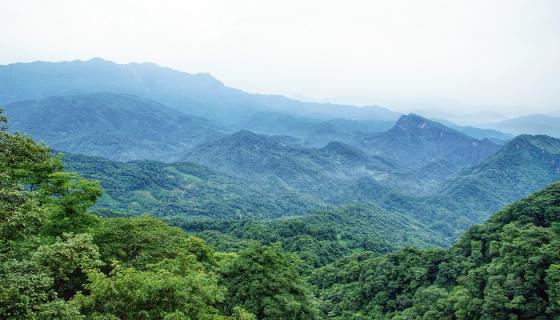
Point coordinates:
pixel 196 94
pixel 531 124
pixel 312 132
pixel 479 133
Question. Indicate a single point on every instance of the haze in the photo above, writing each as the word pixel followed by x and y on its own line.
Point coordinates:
pixel 477 60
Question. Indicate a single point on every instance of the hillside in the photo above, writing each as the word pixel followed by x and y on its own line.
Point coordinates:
pixel 323 172
pixel 114 126
pixel 313 132
pixel 319 237
pixel 506 268
pixel 525 164
pixel 415 142
pixel 187 190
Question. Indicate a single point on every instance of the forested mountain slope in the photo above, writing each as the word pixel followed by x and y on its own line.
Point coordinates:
pixel 312 132
pixel 195 195
pixel 326 172
pixel 525 164
pixel 114 126
pixel 416 142
pixel 265 178
pixel 508 267
pixel 319 237
pixel 184 189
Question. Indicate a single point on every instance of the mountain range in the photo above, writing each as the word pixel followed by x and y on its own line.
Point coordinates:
pixel 196 94
pixel 266 179
pixel 185 145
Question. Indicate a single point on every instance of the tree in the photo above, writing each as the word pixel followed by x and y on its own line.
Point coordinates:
pixel 553 287
pixel 264 280
pixel 67 260
pixel 139 241
pixel 173 289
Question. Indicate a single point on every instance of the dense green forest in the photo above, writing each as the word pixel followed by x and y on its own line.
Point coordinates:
pixel 506 268
pixel 184 188
pixel 58 260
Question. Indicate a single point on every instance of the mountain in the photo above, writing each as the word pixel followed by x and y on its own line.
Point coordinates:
pixel 438 194
pixel 479 133
pixel 196 94
pixel 470 195
pixel 319 237
pixel 322 172
pixel 523 165
pixel 114 126
pixel 313 132
pixel 415 142
pixel 198 198
pixel 531 124
pixel 506 268
pixel 187 190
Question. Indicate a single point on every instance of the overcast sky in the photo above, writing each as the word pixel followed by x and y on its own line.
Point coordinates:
pixel 456 58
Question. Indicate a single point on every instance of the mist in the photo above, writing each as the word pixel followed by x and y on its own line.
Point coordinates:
pixel 468 61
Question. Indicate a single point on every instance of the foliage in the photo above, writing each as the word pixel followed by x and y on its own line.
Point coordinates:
pixel 176 289
pixel 504 268
pixel 318 238
pixel 264 280
pixel 182 189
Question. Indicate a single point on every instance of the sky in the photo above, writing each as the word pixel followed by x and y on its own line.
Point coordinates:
pixel 455 59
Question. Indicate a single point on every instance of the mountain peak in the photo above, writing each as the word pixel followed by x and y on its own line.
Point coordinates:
pixel 418 123
pixel 415 141
pixel 543 142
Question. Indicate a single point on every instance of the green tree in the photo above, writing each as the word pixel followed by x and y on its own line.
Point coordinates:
pixel 139 241
pixel 553 287
pixel 173 289
pixel 67 260
pixel 264 280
